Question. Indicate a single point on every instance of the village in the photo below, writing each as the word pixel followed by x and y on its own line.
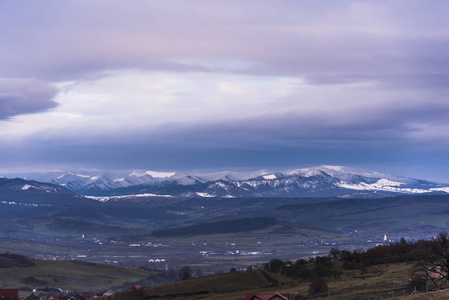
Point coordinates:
pixel 327 264
pixel 170 254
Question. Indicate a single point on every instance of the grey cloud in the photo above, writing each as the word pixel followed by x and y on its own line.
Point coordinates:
pixel 274 141
pixel 226 146
pixel 388 125
pixel 323 42
pixel 25 96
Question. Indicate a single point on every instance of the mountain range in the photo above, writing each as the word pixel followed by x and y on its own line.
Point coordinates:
pixel 321 181
pixel 72 211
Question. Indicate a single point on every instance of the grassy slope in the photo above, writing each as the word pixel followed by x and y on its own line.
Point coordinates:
pixel 203 287
pixel 438 295
pixel 70 275
pixel 378 280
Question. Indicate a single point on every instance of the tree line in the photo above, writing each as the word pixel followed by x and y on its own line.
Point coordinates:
pixel 430 258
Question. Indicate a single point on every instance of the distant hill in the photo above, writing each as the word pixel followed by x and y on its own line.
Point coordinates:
pixel 232 226
pixel 35 193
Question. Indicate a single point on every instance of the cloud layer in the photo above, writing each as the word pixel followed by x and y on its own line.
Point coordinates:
pixel 178 84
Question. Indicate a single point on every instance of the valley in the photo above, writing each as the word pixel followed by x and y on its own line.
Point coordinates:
pixel 197 231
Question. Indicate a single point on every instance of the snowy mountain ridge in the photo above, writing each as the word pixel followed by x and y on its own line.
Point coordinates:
pixel 321 181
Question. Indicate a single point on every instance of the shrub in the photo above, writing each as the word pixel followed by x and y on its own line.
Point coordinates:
pixel 318 285
pixel 418 282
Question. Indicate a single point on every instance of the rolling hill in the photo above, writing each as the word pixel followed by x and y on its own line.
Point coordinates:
pixel 28 274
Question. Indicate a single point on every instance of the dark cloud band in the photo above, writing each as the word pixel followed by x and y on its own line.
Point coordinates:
pixel 25 96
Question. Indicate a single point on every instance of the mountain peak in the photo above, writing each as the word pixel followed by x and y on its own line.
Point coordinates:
pixel 140 173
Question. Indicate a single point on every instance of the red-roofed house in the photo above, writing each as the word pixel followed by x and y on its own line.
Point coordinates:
pixel 9 294
pixel 275 296
pixel 135 288
pixel 436 272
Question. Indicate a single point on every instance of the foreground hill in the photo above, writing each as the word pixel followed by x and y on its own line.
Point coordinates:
pixel 376 282
pixel 437 295
pixel 203 287
pixel 27 274
pixel 341 274
pixel 322 181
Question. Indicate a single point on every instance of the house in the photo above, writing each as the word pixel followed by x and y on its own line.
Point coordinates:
pixel 109 293
pixel 436 272
pixel 135 288
pixel 275 296
pixel 9 293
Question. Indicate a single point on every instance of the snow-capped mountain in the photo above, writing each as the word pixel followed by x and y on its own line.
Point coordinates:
pixel 319 181
pixel 19 184
pixel 29 193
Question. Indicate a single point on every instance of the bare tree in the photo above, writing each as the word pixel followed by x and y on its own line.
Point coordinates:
pixel 334 253
pixel 435 266
pixel 185 273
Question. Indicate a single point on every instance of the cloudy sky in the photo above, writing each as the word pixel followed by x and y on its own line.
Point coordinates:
pixel 213 85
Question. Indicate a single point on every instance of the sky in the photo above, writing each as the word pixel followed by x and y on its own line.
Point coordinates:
pixel 180 85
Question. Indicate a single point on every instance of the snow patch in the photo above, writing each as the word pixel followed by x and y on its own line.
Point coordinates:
pixel 205 195
pixel 269 177
pixel 79 175
pixel 152 174
pixel 26 187
pixel 334 168
pixel 252 183
pixel 381 185
pixel 306 172
pixel 441 189
pixel 107 198
pixel 221 184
